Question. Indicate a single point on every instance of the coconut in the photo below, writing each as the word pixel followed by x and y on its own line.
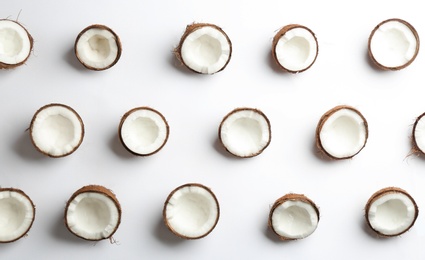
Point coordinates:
pixel 93 213
pixel 191 211
pixel 391 212
pixel 393 44
pixel 98 47
pixel 295 48
pixel 204 48
pixel 245 132
pixel 56 130
pixel 418 135
pixel 17 213
pixel 143 131
pixel 293 216
pixel 15 44
pixel 342 132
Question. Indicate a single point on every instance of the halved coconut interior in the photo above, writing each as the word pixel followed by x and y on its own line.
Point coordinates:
pixel 191 211
pixel 293 216
pixel 342 132
pixel 56 130
pixel 418 134
pixel 15 44
pixel 391 212
pixel 295 48
pixel 204 48
pixel 143 131
pixel 93 213
pixel 245 132
pixel 17 213
pixel 393 44
pixel 98 47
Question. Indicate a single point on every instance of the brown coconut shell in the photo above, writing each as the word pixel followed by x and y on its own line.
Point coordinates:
pixel 379 65
pixel 322 121
pixel 124 117
pixel 97 189
pixel 280 34
pixel 283 199
pixel 100 27
pixel 164 211
pixel 190 29
pixel 248 109
pixel 33 207
pixel 32 124
pixel 11 66
pixel 379 194
pixel 415 146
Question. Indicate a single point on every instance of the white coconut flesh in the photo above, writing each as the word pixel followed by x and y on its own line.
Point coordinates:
pixel 97 48
pixel 15 44
pixel 16 215
pixel 144 131
pixel 245 132
pixel 57 130
pixel 206 50
pixel 419 133
pixel 296 50
pixel 294 219
pixel 393 44
pixel 191 212
pixel 92 216
pixel 392 213
pixel 343 134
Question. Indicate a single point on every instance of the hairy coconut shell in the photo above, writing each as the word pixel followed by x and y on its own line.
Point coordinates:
pixel 11 66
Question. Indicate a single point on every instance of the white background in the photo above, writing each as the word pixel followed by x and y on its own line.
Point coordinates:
pixel 148 75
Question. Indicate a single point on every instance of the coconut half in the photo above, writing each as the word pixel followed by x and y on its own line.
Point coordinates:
pixel 97 47
pixel 56 130
pixel 204 48
pixel 245 132
pixel 93 213
pixel 191 211
pixel 15 44
pixel 143 131
pixel 295 48
pixel 391 212
pixel 342 132
pixel 393 44
pixel 17 214
pixel 293 216
pixel 418 135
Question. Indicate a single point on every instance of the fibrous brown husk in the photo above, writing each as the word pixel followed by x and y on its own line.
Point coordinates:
pixel 134 110
pixel 243 109
pixel 190 29
pixel 382 67
pixel 322 121
pixel 96 189
pixel 164 211
pixel 381 193
pixel 33 208
pixel 290 197
pixel 67 107
pixel 415 146
pixel 279 35
pixel 100 27
pixel 11 66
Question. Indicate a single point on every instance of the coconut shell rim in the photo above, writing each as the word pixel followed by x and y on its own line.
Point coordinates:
pixel 95 189
pixel 125 116
pixel 372 57
pixel 164 210
pixel 415 145
pixel 279 35
pixel 117 41
pixel 21 192
pixel 245 109
pixel 190 29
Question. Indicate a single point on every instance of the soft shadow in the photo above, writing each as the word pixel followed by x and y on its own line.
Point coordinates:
pixel 25 149
pixel 163 234
pixel 371 64
pixel 320 155
pixel 72 60
pixel 218 146
pixel 118 148
pixel 179 66
pixel 272 64
pixel 268 233
pixel 369 231
pixel 61 233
